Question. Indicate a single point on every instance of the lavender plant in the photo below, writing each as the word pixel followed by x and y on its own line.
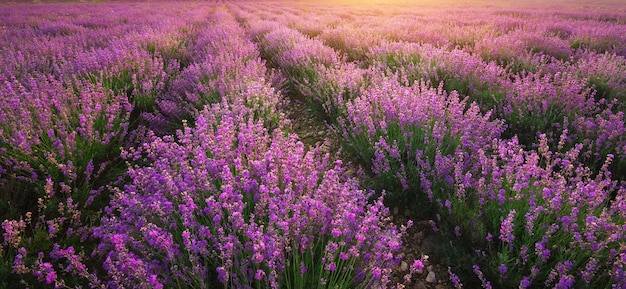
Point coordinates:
pixel 539 104
pixel 601 135
pixel 458 70
pixel 412 137
pixel 65 130
pixel 333 88
pixel 604 73
pixel 353 42
pixel 599 37
pixel 243 208
pixel 537 220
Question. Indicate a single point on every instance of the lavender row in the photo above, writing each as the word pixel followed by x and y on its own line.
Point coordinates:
pixel 531 103
pixel 304 61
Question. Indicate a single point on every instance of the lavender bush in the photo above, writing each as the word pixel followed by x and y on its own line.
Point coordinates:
pixel 412 137
pixel 333 88
pixel 537 220
pixel 604 73
pixel 298 56
pixel 61 130
pixel 229 203
pixel 458 70
pixel 539 104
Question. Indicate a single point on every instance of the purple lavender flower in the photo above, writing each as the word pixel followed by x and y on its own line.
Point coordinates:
pixel 503 270
pixel 456 281
pixel 506 229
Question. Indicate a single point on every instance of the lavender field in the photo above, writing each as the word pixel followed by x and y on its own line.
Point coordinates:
pixel 313 144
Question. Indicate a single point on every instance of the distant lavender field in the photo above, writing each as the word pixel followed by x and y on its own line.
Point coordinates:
pixel 147 145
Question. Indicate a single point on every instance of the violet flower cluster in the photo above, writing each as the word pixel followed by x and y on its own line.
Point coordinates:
pixel 297 55
pixel 552 212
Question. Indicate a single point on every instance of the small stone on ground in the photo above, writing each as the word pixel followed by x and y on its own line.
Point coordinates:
pixel 431 278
